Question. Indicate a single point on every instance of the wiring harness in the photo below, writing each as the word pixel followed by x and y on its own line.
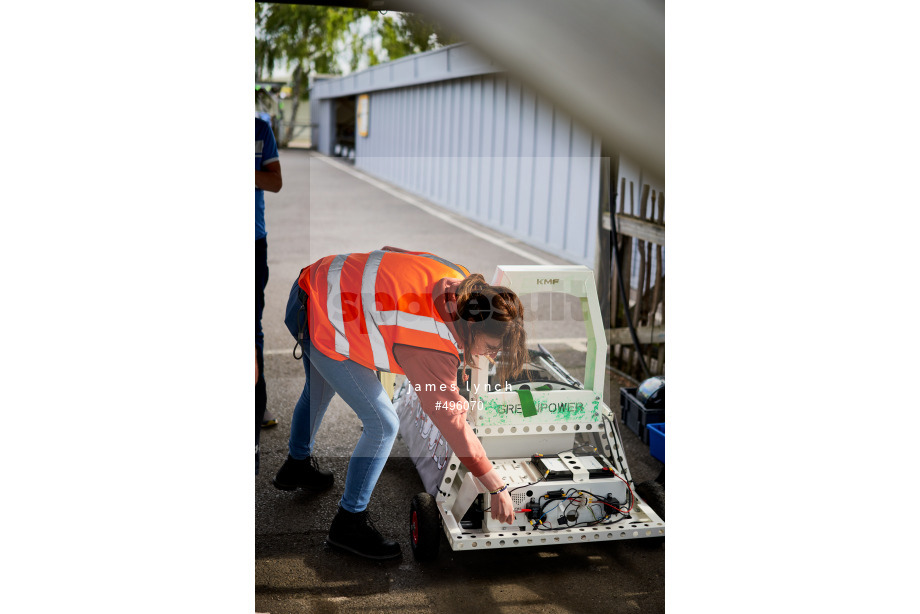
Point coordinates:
pixel 558 510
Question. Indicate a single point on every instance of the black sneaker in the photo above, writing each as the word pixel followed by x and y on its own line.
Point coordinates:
pixel 302 474
pixel 356 533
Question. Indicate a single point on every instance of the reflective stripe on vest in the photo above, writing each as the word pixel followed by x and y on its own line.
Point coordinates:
pixel 334 303
pixel 417 322
pixel 373 318
pixel 446 263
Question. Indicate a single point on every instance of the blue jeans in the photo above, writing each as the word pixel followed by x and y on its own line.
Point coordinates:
pixel 359 387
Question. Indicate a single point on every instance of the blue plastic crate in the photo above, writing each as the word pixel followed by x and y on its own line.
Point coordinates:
pixel 636 416
pixel 656 440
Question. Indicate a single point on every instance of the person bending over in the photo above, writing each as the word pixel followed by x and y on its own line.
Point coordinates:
pixel 402 312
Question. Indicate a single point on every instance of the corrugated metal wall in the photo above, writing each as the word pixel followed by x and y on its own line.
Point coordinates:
pixel 323 124
pixel 492 150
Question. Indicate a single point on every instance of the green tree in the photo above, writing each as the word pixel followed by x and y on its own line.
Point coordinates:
pixel 404 34
pixel 304 37
pixel 313 39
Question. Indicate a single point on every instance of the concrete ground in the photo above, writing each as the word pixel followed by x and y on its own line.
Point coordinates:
pixel 326 208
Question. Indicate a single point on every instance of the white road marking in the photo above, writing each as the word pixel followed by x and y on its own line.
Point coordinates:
pixel 277 352
pixel 461 224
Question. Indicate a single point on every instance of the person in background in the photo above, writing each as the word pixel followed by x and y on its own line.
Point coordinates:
pixel 268 177
pixel 402 312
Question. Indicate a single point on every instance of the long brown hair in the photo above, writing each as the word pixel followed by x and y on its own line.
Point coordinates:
pixel 495 311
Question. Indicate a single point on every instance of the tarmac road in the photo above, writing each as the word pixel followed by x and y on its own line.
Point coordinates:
pixel 324 208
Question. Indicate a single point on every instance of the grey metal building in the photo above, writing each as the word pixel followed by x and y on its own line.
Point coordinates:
pixel 452 127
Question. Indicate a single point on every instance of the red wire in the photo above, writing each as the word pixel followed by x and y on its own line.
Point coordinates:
pixel 632 498
pixel 631 505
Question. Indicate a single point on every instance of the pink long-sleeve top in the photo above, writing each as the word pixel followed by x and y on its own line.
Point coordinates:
pixel 425 366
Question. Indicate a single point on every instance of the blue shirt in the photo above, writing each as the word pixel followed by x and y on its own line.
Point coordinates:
pixel 266 153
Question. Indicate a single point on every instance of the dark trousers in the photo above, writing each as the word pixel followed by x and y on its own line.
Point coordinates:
pixel 261 281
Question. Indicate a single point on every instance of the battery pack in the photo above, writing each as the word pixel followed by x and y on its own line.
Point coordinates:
pixel 556 468
pixel 596 466
pixel 573 466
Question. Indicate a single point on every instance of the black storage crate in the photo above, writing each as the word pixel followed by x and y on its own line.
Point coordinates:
pixel 635 415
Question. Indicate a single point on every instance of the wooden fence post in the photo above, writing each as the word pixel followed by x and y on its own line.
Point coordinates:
pixel 639 224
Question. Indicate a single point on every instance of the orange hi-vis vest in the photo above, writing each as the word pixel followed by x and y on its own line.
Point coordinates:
pixel 360 305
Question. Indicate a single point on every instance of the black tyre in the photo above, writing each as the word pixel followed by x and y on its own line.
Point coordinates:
pixel 424 527
pixel 653 494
